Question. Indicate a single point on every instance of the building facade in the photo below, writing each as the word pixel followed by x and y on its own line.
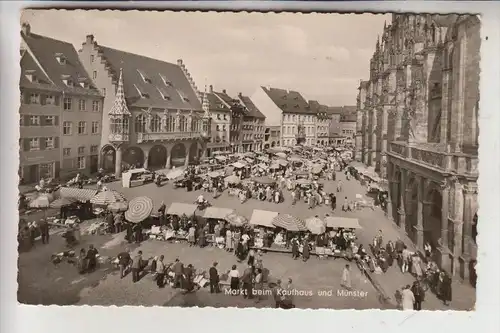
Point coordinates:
pixel 152 114
pixel 60 113
pixel 420 125
pixel 348 123
pixel 322 122
pixel 359 137
pixel 272 136
pixel 236 127
pixel 257 121
pixel 289 110
pixel 221 123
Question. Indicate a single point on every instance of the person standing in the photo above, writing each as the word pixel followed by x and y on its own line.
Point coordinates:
pixel 295 248
pixel 247 280
pixel 418 294
pixel 178 269
pixel 192 235
pixel 44 230
pixel 91 258
pixel 118 222
pixel 408 299
pixel 259 285
pixel 305 250
pixel 234 277
pixel 136 266
pixel 124 261
pixel 214 279
pixel 346 277
pixel 405 259
pixel 160 272
pixel 446 289
pixel 229 241
pixel 277 290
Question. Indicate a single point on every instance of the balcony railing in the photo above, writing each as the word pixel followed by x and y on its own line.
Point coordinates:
pixel 161 136
pixel 437 158
pixel 118 137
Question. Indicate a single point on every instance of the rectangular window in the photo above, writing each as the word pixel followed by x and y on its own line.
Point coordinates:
pixel 94 74
pixel 34 120
pixel 95 106
pixel 35 98
pixel 66 151
pixel 82 105
pixel 81 162
pixel 93 149
pixel 67 103
pixel 50 120
pixel 91 58
pixel 49 143
pixel 82 127
pixel 50 100
pixel 95 127
pixel 35 144
pixel 103 91
pixel 67 128
pixel 81 150
pixel 47 170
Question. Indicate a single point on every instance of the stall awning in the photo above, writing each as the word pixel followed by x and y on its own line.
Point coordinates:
pixel 217 213
pixel 342 222
pixel 80 194
pixel 263 218
pixel 181 208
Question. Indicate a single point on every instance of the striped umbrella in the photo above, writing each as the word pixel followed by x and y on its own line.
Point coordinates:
pixel 61 202
pixel 43 201
pixel 139 209
pixel 105 198
pixel 236 220
pixel 289 222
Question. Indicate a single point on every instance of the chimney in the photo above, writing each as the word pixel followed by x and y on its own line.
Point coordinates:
pixel 90 39
pixel 211 88
pixel 223 91
pixel 240 95
pixel 179 62
pixel 26 28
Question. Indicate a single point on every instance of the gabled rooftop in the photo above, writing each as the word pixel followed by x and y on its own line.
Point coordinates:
pixel 150 82
pixel 288 101
pixel 60 61
pixel 253 111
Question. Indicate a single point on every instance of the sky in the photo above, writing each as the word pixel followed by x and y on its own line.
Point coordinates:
pixel 323 56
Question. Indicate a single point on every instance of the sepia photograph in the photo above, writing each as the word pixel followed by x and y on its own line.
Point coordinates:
pixel 249 160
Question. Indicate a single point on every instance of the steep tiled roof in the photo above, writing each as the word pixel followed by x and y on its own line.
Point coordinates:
pixel 46 50
pixel 29 66
pixel 152 78
pixel 334 110
pixel 288 101
pixel 253 111
pixel 225 97
pixel 216 104
pixel 348 109
pixel 320 109
pixel 348 118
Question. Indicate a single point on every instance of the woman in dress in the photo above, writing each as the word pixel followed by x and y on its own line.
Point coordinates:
pixel 81 262
pixel 234 277
pixel 191 235
pixel 305 250
pixel 229 241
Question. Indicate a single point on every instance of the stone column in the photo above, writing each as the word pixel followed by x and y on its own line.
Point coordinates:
pixel 443 246
pixel 168 164
pixel 445 105
pixel 470 202
pixel 458 223
pixel 146 159
pixel 188 154
pixel 118 162
pixel 383 153
pixel 402 193
pixel 374 138
pixel 419 228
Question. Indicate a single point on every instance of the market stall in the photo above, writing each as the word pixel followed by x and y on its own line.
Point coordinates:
pixel 342 222
pixel 80 194
pixel 179 209
pixel 136 177
pixel 217 213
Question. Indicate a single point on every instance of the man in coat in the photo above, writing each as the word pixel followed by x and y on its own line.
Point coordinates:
pixel 214 279
pixel 418 294
pixel 137 265
pixel 408 299
pixel 178 269
pixel 247 280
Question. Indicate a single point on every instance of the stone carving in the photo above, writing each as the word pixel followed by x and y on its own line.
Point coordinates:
pixel 432 158
pixel 398 149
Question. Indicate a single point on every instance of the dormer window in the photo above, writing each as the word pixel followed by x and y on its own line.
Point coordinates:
pixel 296 106
pixel 144 77
pixel 61 59
pixel 67 80
pixel 83 82
pixel 166 81
pixel 31 76
pixel 183 96
pixel 141 93
pixel 163 94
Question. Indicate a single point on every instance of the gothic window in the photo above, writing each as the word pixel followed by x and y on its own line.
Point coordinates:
pixel 195 125
pixel 170 123
pixel 156 124
pixel 119 125
pixel 433 33
pixel 140 123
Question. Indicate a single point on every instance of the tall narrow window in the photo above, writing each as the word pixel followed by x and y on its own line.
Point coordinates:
pixel 156 124
pixel 140 123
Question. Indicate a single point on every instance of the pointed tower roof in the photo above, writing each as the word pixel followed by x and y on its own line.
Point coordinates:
pixel 378 42
pixel 206 104
pixel 120 108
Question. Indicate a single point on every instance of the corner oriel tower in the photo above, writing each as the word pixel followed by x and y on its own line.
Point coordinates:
pixel 119 130
pixel 206 121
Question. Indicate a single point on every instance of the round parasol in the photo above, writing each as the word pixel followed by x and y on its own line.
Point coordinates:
pixel 249 154
pixel 215 174
pixel 282 155
pixel 236 220
pixel 316 226
pixel 220 158
pixel 61 202
pixel 264 180
pixel 139 209
pixel 107 197
pixel 289 222
pixel 120 206
pixel 274 166
pixel 232 179
pixel 317 168
pixel 239 164
pixel 282 162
